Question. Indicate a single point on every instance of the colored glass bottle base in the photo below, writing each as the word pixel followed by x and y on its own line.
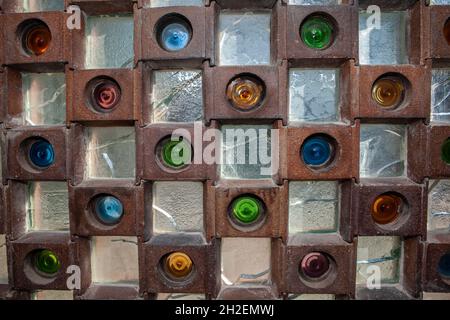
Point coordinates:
pixel 108 209
pixel 445 151
pixel 386 208
pixel 315 265
pixel 178 265
pixel 317 151
pixel 46 262
pixel 42 154
pixel 317 32
pixel 388 92
pixel 246 92
pixel 247 209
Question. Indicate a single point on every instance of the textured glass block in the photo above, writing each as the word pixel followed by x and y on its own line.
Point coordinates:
pixel 383 252
pixel 314 2
pixel 177 96
pixel 177 206
pixel 437 2
pixel 3 260
pixel 313 206
pixel 109 42
pixel 436 295
pixel 245 261
pixel 313 95
pixel 244 38
pixel 180 296
pixel 110 152
pixel 114 260
pixel 47 206
pixel 42 5
pixel 439 205
pixel 246 150
pixel 44 98
pixel 440 95
pixel 173 3
pixel 382 150
pixel 384 45
pixel 311 297
pixel 52 295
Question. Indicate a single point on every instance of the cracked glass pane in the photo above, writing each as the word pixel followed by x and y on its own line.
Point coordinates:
pixel 382 252
pixel 173 3
pixel 314 2
pixel 109 42
pixel 110 152
pixel 44 98
pixel 313 206
pixel 244 38
pixel 246 152
pixel 52 295
pixel 177 206
pixel 382 150
pixel 177 96
pixel 386 44
pixel 439 205
pixel 114 260
pixel 3 261
pixel 313 95
pixel 179 296
pixel 42 5
pixel 247 264
pixel 440 95
pixel 47 206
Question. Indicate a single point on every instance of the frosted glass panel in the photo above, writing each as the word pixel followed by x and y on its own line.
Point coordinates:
pixel 109 42
pixel 440 95
pixel 44 98
pixel 386 45
pixel 382 150
pixel 246 152
pixel 110 152
pixel 314 2
pixel 3 260
pixel 178 207
pixel 313 206
pixel 114 260
pixel 439 205
pixel 48 206
pixel 52 295
pixel 244 38
pixel 313 95
pixel 245 261
pixel 383 252
pixel 42 5
pixel 177 96
pixel 180 296
pixel 169 3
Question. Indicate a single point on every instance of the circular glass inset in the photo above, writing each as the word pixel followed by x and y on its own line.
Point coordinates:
pixel 105 94
pixel 445 151
pixel 46 262
pixel 444 266
pixel 315 265
pixel 317 32
pixel 176 154
pixel 317 151
pixel 388 92
pixel 108 209
pixel 36 37
pixel 42 154
pixel 174 32
pixel 386 208
pixel 447 31
pixel 246 209
pixel 246 92
pixel 178 265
